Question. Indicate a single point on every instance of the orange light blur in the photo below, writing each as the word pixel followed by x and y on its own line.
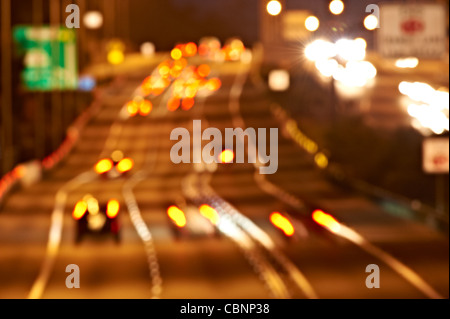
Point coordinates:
pixel 204 70
pixel 173 104
pixel 112 209
pixel 227 156
pixel 210 213
pixel 176 54
pixel 103 166
pixel 145 107
pixel 190 49
pixel 326 220
pixel 19 171
pixel 125 165
pixel 203 49
pixel 282 223
pixel 214 84
pixel 177 216
pixel 79 210
pixel 187 104
pixel 164 70
pixel 132 108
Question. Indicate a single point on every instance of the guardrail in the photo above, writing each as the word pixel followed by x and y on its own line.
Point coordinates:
pixel 30 172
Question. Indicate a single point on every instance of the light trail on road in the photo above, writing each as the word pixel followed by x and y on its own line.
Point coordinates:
pixel 400 268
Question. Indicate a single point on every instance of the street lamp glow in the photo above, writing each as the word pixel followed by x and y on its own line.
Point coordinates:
pixel 274 7
pixel 320 49
pixel 93 20
pixel 147 49
pixel 336 7
pixel 371 22
pixel 312 23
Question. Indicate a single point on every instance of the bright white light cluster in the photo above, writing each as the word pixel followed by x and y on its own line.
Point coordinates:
pixel 431 108
pixel 407 63
pixel 354 72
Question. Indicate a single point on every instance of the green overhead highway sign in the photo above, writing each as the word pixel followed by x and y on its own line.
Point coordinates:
pixel 50 57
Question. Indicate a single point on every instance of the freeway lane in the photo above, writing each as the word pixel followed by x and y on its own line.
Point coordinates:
pixel 208 267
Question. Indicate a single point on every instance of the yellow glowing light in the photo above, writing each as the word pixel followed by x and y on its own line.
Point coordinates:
pixel 164 70
pixel 210 213
pixel 132 108
pixel 176 54
pixel 274 7
pixel 227 156
pixel 190 49
pixel 312 23
pixel 337 7
pixel 214 84
pixel 326 221
pixel 113 208
pixel 79 210
pixel 103 166
pixel 177 216
pixel 371 22
pixel 282 223
pixel 116 57
pixel 145 107
pixel 321 160
pixel 125 165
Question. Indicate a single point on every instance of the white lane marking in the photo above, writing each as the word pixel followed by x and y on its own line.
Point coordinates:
pixel 234 106
pixel 56 225
pixel 145 235
pixel 194 188
pixel 55 233
pixel 135 213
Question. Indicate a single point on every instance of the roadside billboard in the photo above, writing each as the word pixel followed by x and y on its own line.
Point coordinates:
pixel 412 29
pixel 436 155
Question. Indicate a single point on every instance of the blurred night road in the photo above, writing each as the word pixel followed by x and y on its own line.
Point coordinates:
pixel 219 240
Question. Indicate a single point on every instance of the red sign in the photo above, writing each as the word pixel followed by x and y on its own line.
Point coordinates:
pixel 440 160
pixel 412 26
pixel 436 155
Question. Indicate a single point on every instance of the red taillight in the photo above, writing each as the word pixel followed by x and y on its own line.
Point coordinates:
pixel 103 166
pixel 177 216
pixel 227 156
pixel 132 108
pixel 187 103
pixel 125 165
pixel 79 210
pixel 282 223
pixel 326 220
pixel 210 213
pixel 145 108
pixel 112 209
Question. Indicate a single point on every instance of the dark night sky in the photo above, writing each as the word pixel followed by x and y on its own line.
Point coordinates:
pixel 188 20
pixel 169 21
